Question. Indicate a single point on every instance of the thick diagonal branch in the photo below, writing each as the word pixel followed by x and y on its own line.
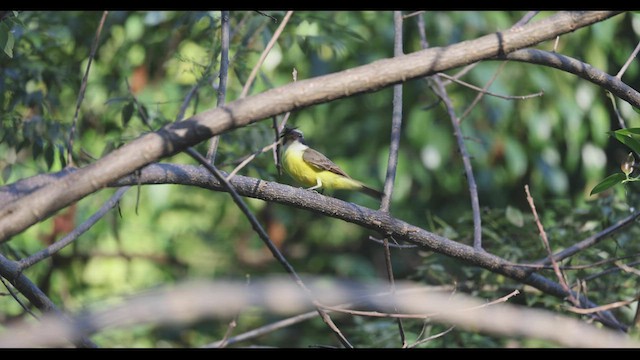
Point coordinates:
pixel 18 216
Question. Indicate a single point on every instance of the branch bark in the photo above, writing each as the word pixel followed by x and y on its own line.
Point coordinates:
pixel 42 203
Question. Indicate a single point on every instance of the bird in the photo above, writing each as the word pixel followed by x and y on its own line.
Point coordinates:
pixel 311 168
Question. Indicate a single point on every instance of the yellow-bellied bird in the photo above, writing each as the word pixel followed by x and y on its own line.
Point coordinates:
pixel 310 168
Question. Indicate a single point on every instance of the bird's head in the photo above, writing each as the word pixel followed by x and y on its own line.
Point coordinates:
pixel 290 135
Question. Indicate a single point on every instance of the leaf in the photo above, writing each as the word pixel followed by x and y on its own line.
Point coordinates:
pixel 6 173
pixel 61 156
pixel 36 148
pixel 6 39
pixel 629 131
pixel 632 143
pixel 608 182
pixel 514 216
pixel 143 114
pixel 49 153
pixel 127 112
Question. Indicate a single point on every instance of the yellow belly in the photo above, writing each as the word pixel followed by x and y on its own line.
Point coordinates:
pixel 308 175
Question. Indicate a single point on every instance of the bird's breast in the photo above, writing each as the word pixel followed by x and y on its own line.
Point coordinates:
pixel 297 168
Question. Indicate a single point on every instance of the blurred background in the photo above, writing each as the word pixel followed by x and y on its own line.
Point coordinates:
pixel 556 143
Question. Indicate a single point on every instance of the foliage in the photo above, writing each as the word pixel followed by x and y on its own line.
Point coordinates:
pixel 625 136
pixel 147 63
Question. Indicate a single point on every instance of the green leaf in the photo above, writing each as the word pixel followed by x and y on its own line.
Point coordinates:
pixel 6 39
pixel 632 143
pixel 629 131
pixel 127 112
pixel 6 173
pixel 61 156
pixel 608 182
pixel 49 153
pixel 514 216
pixel 36 148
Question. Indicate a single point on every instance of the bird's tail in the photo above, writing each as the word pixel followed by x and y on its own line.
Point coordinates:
pixel 372 192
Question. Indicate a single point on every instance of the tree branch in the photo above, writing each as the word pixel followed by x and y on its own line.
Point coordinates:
pixel 579 68
pixel 378 221
pixel 175 137
pixel 184 303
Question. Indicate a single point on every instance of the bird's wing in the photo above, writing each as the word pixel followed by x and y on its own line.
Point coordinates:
pixel 317 160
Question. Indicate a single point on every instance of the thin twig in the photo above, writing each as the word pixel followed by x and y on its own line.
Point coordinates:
pixel 83 87
pixel 615 110
pixel 441 91
pixel 265 329
pixel 581 267
pixel 275 20
pixel 274 145
pixel 17 299
pixel 591 240
pixel 608 271
pixel 417 316
pixel 312 314
pixel 466 160
pixel 404 17
pixel 484 89
pixel 10 270
pixel 222 85
pixel 278 130
pixel 265 52
pixel 249 158
pixel 75 233
pixel 627 268
pixel 392 162
pixel 606 307
pixel 187 100
pixel 143 114
pixel 394 245
pixel 432 337
pixel 481 92
pixel 265 238
pixel 232 325
pixel 224 58
pixel 545 241
pixel 628 62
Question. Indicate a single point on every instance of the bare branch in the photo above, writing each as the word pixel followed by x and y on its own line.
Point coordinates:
pixel 187 302
pixel 265 52
pixel 175 137
pixel 592 240
pixel 614 305
pixel 83 87
pixel 11 271
pixel 416 316
pixel 224 74
pixel 633 55
pixel 466 161
pixel 73 235
pixel 441 91
pixel 579 68
pixel 547 247
pixel 484 91
pixel 392 162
